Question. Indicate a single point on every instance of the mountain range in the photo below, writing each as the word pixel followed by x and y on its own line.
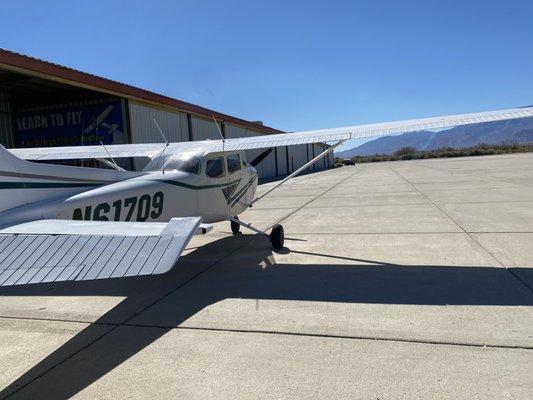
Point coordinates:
pixel 499 132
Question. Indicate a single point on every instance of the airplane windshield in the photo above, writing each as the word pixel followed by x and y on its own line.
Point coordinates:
pixel 189 164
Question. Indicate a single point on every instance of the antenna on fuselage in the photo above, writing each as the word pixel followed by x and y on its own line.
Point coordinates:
pixel 161 132
pixel 219 131
pixel 164 138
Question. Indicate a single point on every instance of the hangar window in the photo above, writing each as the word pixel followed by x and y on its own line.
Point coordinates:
pixel 215 167
pixel 234 163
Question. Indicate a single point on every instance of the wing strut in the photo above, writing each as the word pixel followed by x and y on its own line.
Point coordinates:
pixel 314 160
pixel 111 164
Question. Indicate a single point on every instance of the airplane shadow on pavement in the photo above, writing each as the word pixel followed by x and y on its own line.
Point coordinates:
pixel 205 277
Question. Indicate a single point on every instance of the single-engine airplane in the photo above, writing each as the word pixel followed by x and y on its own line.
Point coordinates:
pixel 61 223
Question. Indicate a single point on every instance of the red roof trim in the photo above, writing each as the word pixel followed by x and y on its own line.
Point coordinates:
pixel 58 71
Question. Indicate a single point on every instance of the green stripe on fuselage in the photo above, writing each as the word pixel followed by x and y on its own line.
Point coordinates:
pixel 196 187
pixel 231 201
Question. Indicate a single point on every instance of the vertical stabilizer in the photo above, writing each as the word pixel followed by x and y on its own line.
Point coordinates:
pixel 23 182
pixel 11 183
pixel 8 161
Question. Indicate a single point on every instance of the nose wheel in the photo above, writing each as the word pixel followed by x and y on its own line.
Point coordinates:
pixel 276 236
pixel 235 227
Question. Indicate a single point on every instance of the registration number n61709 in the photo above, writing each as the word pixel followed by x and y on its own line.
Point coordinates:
pixel 135 208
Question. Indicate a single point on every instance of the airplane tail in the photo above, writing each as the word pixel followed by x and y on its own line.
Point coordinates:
pixel 11 182
pixel 23 182
pixel 8 161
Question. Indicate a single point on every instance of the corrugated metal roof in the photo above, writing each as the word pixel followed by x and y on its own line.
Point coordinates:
pixel 34 66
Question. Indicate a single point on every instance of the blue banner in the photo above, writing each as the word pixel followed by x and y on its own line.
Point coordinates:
pixel 71 126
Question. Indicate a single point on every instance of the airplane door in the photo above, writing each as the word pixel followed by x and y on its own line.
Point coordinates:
pixel 238 188
pixel 235 174
pixel 212 198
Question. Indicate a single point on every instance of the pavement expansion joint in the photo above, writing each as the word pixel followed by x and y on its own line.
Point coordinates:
pixel 72 321
pixel 333 336
pixel 472 238
pixel 314 198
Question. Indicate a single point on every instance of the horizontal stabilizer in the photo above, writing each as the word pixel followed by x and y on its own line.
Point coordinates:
pixel 56 250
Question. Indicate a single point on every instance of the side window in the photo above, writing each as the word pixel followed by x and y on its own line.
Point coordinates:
pixel 215 167
pixel 234 163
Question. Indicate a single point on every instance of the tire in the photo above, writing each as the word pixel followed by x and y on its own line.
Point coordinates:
pixel 277 237
pixel 235 227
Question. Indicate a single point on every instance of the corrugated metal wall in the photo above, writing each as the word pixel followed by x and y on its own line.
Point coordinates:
pixel 204 129
pixel 6 128
pixel 323 163
pixel 297 156
pixel 143 130
pixel 234 131
pixel 282 160
pixel 329 160
pixel 314 151
pixel 267 168
pixel 309 153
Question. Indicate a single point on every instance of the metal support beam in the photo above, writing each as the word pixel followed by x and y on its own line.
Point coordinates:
pixel 189 127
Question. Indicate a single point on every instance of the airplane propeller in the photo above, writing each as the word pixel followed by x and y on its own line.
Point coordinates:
pixel 261 157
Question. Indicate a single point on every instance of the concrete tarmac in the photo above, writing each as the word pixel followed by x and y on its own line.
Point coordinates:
pixel 409 279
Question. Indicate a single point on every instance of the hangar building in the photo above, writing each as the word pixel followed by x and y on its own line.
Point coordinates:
pixel 44 104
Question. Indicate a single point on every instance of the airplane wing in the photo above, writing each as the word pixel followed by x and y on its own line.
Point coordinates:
pixel 87 152
pixel 151 150
pixel 373 130
pixel 54 250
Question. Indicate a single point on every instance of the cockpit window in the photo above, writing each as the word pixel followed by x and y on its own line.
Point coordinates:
pixel 234 163
pixel 183 163
pixel 215 167
pixel 155 164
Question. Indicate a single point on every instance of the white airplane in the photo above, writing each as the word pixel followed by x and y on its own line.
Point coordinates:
pixel 63 223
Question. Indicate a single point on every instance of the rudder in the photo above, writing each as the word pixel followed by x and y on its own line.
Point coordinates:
pixel 12 193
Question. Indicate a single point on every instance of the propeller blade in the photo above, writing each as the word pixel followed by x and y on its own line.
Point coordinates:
pixel 261 157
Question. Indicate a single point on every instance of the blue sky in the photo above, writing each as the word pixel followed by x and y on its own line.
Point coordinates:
pixel 294 64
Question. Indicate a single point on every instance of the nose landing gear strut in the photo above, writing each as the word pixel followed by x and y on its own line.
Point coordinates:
pixel 276 236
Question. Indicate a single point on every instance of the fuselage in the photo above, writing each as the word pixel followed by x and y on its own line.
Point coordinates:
pixel 214 187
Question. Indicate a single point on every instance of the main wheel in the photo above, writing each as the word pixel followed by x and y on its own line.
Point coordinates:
pixel 277 237
pixel 235 227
